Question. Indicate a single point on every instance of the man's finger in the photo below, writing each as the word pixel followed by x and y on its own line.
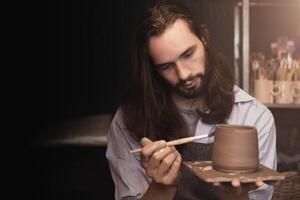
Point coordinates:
pixel 237 186
pixel 225 186
pixel 259 182
pixel 166 163
pixel 236 183
pixel 150 147
pixel 145 141
pixel 174 172
pixel 216 184
pixel 159 155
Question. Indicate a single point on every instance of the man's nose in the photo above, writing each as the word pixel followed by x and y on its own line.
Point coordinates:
pixel 182 71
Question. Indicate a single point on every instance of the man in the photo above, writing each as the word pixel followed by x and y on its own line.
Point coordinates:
pixel 179 87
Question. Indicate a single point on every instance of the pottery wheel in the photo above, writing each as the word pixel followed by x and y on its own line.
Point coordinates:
pixel 205 171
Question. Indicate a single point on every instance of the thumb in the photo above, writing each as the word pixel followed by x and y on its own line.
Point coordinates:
pixel 145 141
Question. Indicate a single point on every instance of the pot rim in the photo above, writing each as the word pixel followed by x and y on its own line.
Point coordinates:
pixel 235 126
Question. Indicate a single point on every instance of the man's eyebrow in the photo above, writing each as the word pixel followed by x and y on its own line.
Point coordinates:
pixel 187 51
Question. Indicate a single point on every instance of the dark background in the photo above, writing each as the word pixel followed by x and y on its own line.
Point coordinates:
pixel 80 56
pixel 81 53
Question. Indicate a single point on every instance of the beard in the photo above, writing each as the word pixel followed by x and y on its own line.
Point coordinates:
pixel 196 91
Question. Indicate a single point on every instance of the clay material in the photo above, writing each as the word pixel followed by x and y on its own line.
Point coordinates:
pixel 235 149
pixel 205 171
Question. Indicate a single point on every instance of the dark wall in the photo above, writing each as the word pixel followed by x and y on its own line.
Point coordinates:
pixel 80 57
pixel 267 23
pixel 81 52
pixel 69 172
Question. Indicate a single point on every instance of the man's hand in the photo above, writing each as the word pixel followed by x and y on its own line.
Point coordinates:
pixel 236 190
pixel 161 162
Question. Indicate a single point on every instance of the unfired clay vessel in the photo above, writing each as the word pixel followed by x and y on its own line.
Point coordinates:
pixel 235 149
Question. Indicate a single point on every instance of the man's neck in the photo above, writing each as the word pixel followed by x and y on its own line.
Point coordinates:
pixel 187 103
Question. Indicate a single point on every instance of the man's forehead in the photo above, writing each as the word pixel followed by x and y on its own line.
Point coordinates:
pixel 176 39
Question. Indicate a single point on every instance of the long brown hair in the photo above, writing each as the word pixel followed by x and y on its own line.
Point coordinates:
pixel 148 108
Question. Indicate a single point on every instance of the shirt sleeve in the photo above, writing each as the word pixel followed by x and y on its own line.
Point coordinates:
pixel 127 173
pixel 264 122
pixel 252 112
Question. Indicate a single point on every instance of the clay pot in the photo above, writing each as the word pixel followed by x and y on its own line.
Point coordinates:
pixel 235 149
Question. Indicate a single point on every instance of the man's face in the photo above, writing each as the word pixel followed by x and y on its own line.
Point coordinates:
pixel 179 57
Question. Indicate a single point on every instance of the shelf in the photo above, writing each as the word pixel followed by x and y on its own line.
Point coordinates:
pixel 241 32
pixel 276 105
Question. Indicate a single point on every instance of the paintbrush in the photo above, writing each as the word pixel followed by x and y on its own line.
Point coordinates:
pixel 180 141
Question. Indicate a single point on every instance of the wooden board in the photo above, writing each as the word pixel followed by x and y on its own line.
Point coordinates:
pixel 205 171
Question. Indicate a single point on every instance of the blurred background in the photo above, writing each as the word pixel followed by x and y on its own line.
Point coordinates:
pixel 81 51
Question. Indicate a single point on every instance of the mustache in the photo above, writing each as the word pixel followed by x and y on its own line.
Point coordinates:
pixel 190 78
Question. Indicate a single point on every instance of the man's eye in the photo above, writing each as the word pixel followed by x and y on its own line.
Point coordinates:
pixel 165 66
pixel 187 55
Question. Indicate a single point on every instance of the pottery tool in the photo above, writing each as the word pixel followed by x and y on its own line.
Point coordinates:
pixel 296 67
pixel 255 67
pixel 272 66
pixel 278 72
pixel 180 141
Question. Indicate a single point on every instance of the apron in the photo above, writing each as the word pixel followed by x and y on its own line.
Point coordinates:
pixel 191 187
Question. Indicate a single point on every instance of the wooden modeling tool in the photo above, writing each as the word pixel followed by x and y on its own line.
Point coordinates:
pixel 179 141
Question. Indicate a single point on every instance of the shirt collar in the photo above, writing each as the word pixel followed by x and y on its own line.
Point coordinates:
pixel 240 95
